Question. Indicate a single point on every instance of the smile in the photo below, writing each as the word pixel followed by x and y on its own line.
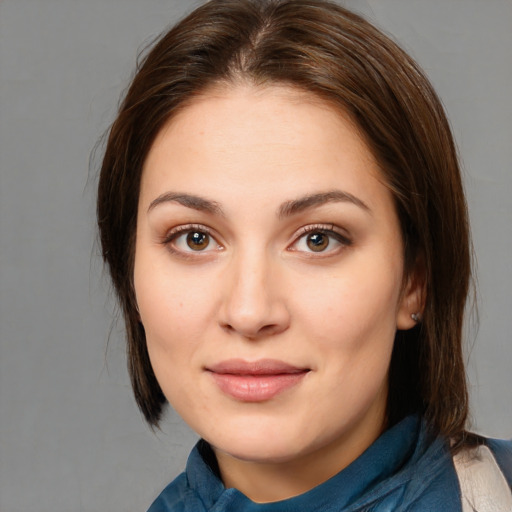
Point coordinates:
pixel 255 382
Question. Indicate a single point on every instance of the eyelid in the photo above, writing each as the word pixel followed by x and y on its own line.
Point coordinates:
pixel 172 233
pixel 323 228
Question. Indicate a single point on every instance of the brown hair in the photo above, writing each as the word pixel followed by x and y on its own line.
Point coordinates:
pixel 329 51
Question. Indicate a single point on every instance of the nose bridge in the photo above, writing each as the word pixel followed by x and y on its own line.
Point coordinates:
pixel 253 305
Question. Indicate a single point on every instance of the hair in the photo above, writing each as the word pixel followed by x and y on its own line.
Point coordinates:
pixel 319 47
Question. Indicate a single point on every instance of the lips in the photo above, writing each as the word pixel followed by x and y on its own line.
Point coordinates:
pixel 255 381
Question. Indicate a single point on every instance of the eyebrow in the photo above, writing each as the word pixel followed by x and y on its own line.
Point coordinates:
pixel 287 209
pixel 190 201
pixel 301 204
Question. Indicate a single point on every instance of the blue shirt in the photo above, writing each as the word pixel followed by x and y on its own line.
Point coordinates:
pixel 404 469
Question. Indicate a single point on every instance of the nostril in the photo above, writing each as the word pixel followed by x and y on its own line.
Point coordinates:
pixel 227 327
pixel 269 329
pixel 256 333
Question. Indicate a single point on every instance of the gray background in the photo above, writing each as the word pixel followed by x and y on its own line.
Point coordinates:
pixel 72 438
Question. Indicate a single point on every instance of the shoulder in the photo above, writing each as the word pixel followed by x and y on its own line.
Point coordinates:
pixel 176 497
pixel 485 476
pixel 195 490
pixel 476 479
pixel 502 452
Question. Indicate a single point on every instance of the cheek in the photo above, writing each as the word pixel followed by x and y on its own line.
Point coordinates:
pixel 173 306
pixel 351 305
pixel 173 310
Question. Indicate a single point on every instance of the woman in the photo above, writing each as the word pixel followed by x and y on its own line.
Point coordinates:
pixel 281 211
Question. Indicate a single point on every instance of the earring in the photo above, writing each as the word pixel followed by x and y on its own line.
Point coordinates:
pixel 416 317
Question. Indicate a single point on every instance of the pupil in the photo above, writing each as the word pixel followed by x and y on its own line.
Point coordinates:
pixel 317 242
pixel 197 240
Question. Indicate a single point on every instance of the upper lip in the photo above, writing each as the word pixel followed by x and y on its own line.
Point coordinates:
pixel 259 367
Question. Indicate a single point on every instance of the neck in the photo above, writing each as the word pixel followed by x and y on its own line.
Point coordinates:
pixel 265 482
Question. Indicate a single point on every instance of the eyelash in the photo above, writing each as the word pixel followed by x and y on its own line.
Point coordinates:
pixel 323 229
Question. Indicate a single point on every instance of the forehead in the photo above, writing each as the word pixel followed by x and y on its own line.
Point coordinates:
pixel 249 137
pixel 278 113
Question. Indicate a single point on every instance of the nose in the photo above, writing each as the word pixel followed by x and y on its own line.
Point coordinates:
pixel 254 304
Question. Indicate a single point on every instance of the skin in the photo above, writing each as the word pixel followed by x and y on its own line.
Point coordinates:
pixel 257 290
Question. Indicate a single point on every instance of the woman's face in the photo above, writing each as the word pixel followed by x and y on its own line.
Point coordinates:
pixel 268 275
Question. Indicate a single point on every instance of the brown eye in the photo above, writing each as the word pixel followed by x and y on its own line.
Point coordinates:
pixel 197 241
pixel 317 242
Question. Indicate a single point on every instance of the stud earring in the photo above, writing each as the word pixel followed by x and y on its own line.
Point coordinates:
pixel 416 317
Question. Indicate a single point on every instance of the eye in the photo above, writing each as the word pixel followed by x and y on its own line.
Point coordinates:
pixel 317 242
pixel 197 241
pixel 319 239
pixel 189 239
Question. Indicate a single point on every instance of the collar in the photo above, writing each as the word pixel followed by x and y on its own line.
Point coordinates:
pixel 387 464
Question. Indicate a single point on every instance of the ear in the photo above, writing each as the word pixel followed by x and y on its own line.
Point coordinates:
pixel 412 301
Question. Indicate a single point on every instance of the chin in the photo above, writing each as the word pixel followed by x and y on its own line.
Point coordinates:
pixel 263 445
pixel 260 452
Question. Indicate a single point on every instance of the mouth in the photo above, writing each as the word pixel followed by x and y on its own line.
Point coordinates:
pixel 256 381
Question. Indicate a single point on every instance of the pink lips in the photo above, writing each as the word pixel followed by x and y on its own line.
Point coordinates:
pixel 257 381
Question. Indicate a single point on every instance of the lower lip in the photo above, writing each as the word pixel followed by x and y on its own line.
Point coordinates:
pixel 256 388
